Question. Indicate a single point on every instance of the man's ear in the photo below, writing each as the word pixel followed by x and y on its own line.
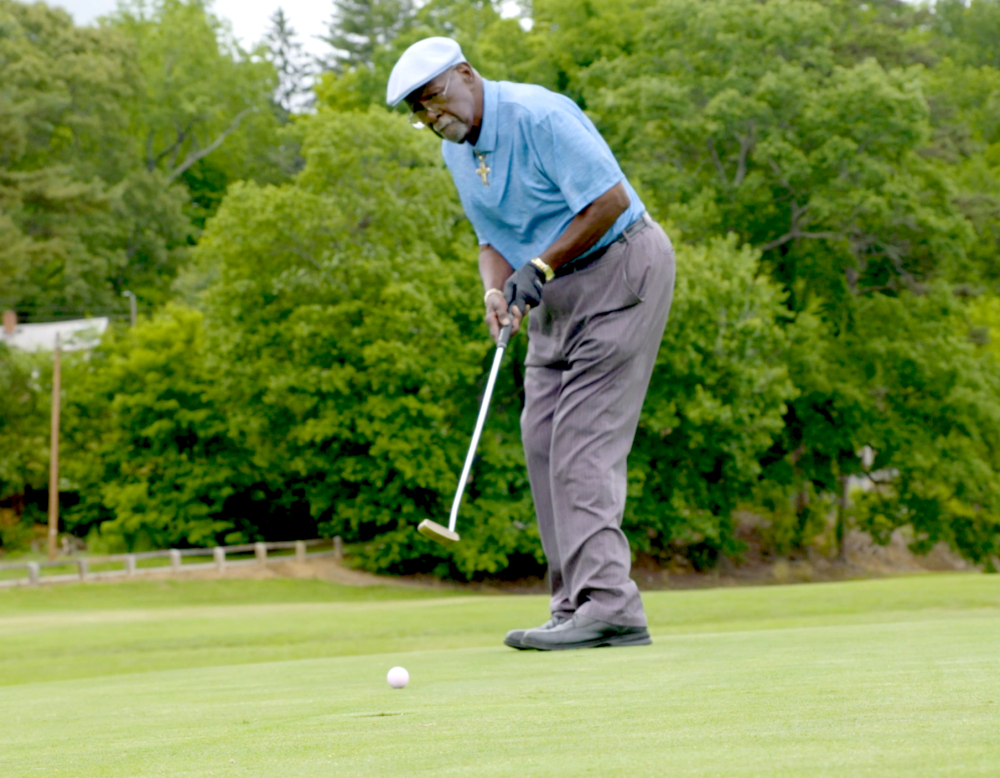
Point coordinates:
pixel 467 72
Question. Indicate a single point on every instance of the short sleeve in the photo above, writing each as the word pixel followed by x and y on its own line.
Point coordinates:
pixel 480 233
pixel 574 157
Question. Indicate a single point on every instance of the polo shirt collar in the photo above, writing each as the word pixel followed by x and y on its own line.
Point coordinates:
pixel 488 128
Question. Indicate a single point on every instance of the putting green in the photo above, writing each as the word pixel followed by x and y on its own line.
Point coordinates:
pixel 870 678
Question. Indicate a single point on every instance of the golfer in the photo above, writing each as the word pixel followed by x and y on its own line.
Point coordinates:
pixel 562 232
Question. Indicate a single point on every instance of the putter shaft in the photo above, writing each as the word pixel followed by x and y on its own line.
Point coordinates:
pixel 483 409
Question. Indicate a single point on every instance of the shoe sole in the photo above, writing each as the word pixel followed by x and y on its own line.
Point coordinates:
pixel 517 644
pixel 617 641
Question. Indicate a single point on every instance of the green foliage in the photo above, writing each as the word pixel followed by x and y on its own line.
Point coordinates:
pixel 830 171
pixel 772 122
pixel 903 377
pixel 969 30
pixel 202 94
pixel 66 91
pixel 792 516
pixel 204 98
pixel 351 384
pixel 756 130
pixel 496 46
pixel 715 404
pixel 80 221
pixel 965 105
pixel 983 324
pixel 293 67
pixel 24 412
pixel 359 27
pixel 933 413
pixel 150 455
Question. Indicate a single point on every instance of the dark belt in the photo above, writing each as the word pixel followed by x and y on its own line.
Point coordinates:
pixel 587 260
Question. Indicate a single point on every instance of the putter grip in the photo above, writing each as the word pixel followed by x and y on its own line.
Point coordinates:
pixel 504 338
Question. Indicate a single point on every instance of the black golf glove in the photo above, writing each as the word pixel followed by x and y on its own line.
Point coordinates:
pixel 524 288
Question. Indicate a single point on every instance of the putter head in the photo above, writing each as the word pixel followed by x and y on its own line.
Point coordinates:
pixel 434 531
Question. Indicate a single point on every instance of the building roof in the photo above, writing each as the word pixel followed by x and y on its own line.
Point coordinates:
pixel 73 335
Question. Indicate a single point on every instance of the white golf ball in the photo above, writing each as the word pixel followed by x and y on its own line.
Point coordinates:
pixel 398 677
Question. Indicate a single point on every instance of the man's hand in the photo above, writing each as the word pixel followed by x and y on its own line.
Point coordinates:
pixel 498 315
pixel 523 290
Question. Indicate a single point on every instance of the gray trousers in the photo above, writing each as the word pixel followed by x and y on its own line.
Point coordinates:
pixel 592 346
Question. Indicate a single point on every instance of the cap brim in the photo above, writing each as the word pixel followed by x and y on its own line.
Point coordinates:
pixel 403 96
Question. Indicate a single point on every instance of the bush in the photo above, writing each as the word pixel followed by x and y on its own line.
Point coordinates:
pixel 715 405
pixel 148 449
pixel 348 332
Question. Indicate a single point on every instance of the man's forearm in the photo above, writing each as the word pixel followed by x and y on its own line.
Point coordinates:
pixel 586 228
pixel 493 268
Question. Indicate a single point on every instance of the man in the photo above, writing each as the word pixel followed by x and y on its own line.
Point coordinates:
pixel 561 231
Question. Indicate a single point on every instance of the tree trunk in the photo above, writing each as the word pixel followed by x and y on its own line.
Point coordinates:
pixel 842 507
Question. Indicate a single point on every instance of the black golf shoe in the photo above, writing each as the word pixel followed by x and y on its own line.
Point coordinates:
pixel 515 636
pixel 581 632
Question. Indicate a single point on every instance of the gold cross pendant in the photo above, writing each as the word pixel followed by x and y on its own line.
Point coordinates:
pixel 483 170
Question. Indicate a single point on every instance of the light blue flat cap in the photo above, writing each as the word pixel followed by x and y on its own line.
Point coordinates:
pixel 424 61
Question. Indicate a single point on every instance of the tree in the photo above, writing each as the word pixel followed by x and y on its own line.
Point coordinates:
pixel 965 104
pixel 81 221
pixel 147 446
pixel 204 116
pixel 496 46
pixel 905 378
pixel 201 87
pixel 969 30
pixel 24 411
pixel 715 405
pixel 348 328
pixel 760 133
pixel 359 27
pixel 770 121
pixel 828 171
pixel 291 63
pixel 357 384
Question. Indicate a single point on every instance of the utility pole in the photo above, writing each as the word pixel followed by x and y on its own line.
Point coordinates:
pixel 131 305
pixel 54 453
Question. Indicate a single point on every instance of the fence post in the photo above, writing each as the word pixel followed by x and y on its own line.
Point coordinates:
pixel 130 564
pixel 81 566
pixel 338 548
pixel 33 573
pixel 175 560
pixel 219 555
pixel 300 551
pixel 260 550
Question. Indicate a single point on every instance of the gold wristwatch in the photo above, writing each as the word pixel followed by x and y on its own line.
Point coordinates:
pixel 542 265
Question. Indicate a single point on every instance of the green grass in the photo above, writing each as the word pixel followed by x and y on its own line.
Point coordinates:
pixel 287 678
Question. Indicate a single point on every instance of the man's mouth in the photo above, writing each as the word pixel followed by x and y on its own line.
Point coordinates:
pixel 443 122
pixel 458 132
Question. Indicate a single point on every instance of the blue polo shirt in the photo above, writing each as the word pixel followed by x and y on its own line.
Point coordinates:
pixel 546 161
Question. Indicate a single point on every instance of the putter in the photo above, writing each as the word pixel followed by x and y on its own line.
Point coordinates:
pixel 431 529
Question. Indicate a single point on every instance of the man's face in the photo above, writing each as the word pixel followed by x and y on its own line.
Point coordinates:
pixel 446 104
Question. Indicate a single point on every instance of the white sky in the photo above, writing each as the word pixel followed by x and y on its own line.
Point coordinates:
pixel 249 18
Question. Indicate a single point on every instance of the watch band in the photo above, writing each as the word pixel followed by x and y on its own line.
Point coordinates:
pixel 542 265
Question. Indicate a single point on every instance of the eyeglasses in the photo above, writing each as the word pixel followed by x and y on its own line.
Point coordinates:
pixel 418 109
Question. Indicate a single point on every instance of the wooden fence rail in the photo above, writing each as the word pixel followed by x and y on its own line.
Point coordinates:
pixel 130 562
